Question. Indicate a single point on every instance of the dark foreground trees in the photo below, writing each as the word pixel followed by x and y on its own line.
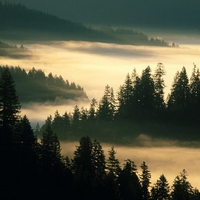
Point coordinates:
pixel 33 168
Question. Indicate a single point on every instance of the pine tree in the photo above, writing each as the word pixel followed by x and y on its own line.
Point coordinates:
pixel 106 108
pixel 111 184
pixel 129 182
pixel 144 95
pixel 113 164
pixel 161 189
pixel 145 181
pixel 51 164
pixel 182 189
pixel 50 149
pixel 159 89
pixel 92 110
pixel 99 162
pixel 125 98
pixel 179 99
pixel 76 117
pixel 83 169
pixel 9 103
pixel 194 88
pixel 9 119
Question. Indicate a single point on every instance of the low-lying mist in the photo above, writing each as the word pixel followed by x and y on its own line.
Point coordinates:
pixel 94 65
pixel 169 161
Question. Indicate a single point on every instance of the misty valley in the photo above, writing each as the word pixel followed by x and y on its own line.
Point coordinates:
pixel 103 111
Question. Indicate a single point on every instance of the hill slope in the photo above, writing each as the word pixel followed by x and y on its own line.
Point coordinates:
pixel 20 23
pixel 42 88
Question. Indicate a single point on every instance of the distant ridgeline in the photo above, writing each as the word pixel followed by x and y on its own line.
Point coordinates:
pixel 13 51
pixel 20 23
pixel 35 86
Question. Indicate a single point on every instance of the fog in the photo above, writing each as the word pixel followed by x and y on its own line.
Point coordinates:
pixel 169 161
pixel 94 65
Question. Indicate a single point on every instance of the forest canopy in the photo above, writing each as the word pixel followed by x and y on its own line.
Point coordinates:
pixel 36 169
pixel 138 108
pixel 44 88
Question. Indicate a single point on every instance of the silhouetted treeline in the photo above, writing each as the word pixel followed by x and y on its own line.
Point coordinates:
pixel 129 36
pixel 35 169
pixel 35 86
pixel 139 107
pixel 13 51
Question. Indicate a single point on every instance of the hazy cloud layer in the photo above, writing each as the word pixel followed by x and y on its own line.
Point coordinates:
pixel 169 161
pixel 94 65
pixel 15 53
pixel 108 49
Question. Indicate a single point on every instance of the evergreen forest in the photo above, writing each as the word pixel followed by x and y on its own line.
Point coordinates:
pixel 44 88
pixel 140 106
pixel 33 168
pixel 22 24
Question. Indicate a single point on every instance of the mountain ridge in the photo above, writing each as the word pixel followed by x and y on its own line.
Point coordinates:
pixel 21 23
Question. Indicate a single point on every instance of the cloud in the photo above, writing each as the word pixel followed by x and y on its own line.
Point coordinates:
pixel 15 53
pixel 109 49
pixel 169 161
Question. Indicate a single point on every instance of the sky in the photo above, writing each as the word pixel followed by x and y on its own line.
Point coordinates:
pixel 178 14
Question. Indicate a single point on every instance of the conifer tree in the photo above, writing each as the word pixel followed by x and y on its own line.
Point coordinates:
pixel 9 103
pixel 106 108
pixel 194 88
pixel 9 119
pixel 92 110
pixel 50 150
pixel 125 98
pixel 111 183
pixel 161 189
pixel 182 189
pixel 159 89
pixel 144 95
pixel 145 181
pixel 179 99
pixel 113 164
pixel 83 169
pixel 129 182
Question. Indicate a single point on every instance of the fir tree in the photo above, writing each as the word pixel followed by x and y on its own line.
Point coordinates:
pixel 145 181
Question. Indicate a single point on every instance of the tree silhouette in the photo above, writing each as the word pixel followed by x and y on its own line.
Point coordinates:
pixel 194 88
pixel 9 119
pixel 129 182
pixel 145 181
pixel 159 89
pixel 178 102
pixel 125 98
pixel 161 189
pixel 92 110
pixel 106 106
pixel 9 103
pixel 51 164
pixel 113 167
pixel 182 189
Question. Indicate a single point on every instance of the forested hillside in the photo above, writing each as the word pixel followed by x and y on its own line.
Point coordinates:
pixel 35 86
pixel 20 23
pixel 36 169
